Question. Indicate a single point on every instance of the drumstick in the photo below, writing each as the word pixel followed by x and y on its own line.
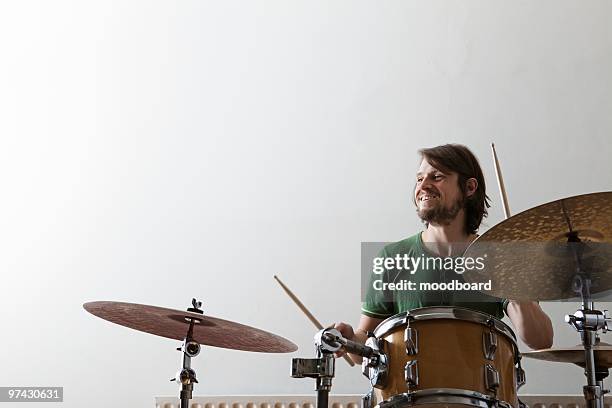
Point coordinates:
pixel 500 183
pixel 307 313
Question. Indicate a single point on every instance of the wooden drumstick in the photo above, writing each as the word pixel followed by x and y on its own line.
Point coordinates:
pixel 500 183
pixel 313 319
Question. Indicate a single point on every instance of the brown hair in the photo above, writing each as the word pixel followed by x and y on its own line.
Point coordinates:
pixel 459 159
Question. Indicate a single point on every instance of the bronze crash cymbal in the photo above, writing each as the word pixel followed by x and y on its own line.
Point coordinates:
pixel 575 355
pixel 527 256
pixel 173 324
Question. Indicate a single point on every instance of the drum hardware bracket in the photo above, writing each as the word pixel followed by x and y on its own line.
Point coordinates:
pixel 331 340
pixel 323 367
pixel 411 374
pixel 376 366
pixel 592 320
pixel 491 378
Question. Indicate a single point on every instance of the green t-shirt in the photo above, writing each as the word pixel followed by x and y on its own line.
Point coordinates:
pixel 381 304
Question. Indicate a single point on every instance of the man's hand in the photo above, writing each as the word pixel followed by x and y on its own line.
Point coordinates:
pixel 366 324
pixel 346 330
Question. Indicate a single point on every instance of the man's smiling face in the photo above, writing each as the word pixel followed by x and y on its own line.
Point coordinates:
pixel 437 194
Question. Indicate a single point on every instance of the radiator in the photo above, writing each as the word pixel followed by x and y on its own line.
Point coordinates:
pixel 345 401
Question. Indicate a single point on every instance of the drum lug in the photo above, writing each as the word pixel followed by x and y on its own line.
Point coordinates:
pixel 411 374
pixel 489 343
pixel 411 340
pixel 491 378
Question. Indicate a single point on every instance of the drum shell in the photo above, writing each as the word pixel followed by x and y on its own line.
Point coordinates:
pixel 450 354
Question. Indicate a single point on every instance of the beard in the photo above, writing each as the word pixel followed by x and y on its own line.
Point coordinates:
pixel 440 214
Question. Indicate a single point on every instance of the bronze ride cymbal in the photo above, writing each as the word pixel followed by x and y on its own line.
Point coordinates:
pixel 528 256
pixel 174 324
pixel 575 355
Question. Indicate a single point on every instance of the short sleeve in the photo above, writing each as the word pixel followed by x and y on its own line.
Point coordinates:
pixel 378 303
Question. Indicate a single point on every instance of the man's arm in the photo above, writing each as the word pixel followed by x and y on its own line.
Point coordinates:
pixel 532 325
pixel 359 335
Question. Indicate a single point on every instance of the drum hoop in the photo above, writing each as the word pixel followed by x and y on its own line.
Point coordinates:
pixel 447 396
pixel 443 312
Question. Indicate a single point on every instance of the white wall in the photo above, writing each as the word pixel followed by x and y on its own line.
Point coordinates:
pixel 155 151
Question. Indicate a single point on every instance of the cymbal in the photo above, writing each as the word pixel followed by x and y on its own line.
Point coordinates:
pixel 603 355
pixel 173 324
pixel 527 256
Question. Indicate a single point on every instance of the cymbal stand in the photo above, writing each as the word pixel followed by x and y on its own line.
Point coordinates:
pixel 187 376
pixel 588 321
pixel 322 369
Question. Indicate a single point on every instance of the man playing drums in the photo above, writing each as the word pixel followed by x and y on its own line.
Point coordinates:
pixel 451 200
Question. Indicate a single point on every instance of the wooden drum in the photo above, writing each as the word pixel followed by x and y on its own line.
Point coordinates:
pixel 445 356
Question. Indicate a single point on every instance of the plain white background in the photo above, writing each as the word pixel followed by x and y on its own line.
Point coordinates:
pixel 151 152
